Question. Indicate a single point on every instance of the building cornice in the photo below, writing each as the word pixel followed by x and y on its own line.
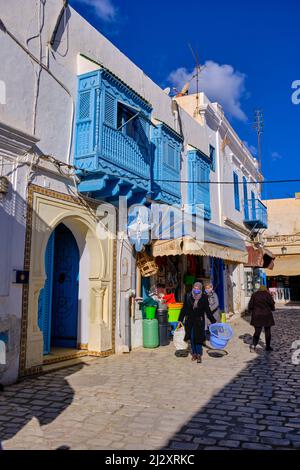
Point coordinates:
pixel 14 142
pixel 234 225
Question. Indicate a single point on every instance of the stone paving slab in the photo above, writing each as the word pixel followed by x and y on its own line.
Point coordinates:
pixel 149 399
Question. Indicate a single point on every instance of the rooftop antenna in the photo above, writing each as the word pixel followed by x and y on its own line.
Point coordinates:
pixel 258 125
pixel 197 74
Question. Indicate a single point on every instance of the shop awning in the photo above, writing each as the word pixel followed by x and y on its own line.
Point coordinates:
pixel 223 236
pixel 286 265
pixel 219 242
pixel 190 246
pixel 260 257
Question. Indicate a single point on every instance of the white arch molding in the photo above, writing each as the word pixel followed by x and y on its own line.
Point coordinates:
pixel 49 209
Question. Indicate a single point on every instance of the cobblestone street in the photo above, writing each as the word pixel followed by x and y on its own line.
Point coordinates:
pixel 150 399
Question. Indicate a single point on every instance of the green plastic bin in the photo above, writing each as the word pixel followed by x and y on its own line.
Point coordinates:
pixel 189 279
pixel 150 334
pixel 150 312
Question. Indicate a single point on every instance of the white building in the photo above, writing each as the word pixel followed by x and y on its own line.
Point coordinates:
pixel 46 54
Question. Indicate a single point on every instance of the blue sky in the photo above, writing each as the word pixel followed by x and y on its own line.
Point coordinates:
pixel 251 52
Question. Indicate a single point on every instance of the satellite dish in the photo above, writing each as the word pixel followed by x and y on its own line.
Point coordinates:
pixel 167 90
pixel 184 90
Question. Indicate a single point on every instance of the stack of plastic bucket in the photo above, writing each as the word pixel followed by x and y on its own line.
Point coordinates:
pixel 173 314
pixel 150 328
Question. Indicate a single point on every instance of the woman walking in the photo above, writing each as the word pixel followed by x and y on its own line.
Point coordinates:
pixel 194 309
pixel 261 306
pixel 213 301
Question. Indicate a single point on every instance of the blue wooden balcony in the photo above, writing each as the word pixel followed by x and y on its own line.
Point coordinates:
pixel 256 216
pixel 167 145
pixel 112 141
pixel 198 191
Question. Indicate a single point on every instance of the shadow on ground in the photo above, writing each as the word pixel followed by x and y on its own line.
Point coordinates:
pixel 44 398
pixel 260 407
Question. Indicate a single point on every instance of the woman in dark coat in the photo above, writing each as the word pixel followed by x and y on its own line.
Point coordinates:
pixel 194 309
pixel 261 306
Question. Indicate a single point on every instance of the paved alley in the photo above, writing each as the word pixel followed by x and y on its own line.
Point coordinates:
pixel 150 399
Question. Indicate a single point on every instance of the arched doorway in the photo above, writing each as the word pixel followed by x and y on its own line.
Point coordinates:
pixel 58 300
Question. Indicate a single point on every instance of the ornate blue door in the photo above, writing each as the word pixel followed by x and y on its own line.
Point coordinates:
pixel 217 270
pixel 45 298
pixel 65 289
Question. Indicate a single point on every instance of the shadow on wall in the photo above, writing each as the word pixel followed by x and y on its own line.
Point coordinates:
pixel 260 407
pixel 13 210
pixel 44 398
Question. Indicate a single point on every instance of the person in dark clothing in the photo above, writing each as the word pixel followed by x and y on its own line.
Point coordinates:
pixel 194 309
pixel 261 306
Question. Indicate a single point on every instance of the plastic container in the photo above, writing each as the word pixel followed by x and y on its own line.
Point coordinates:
pixel 162 316
pixel 174 312
pixel 223 317
pixel 150 312
pixel 150 334
pixel 163 329
pixel 189 279
pixel 173 326
pixel 220 334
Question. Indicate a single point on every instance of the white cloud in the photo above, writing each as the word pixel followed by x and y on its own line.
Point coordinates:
pixel 276 156
pixel 220 83
pixel 104 9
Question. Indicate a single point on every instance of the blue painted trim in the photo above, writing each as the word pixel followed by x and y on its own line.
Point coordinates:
pixel 46 294
pixel 246 206
pixel 236 191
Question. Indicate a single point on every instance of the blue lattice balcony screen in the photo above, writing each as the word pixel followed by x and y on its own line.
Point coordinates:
pixel 199 166
pixel 167 159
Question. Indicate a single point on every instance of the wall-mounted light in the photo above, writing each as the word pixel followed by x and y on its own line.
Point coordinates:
pixel 284 250
pixel 4 186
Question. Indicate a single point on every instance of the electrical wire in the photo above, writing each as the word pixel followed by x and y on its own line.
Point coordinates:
pixel 60 164
pixel 46 68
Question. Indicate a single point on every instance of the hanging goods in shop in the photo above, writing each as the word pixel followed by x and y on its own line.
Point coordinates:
pixel 189 279
pixel 150 334
pixel 220 334
pixel 146 264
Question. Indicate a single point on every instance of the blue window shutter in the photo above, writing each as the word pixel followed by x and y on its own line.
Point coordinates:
pixel 45 297
pixel 84 124
pixel 246 207
pixel 109 110
pixel 87 115
pixel 253 205
pixel 212 156
pixel 236 191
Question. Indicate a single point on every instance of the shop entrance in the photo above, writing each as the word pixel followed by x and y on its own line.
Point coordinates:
pixel 285 288
pixel 58 300
pixel 217 274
